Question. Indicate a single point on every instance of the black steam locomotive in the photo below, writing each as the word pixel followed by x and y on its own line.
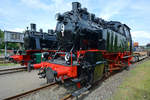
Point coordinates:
pixel 34 40
pixel 89 47
pixel 36 45
pixel 80 29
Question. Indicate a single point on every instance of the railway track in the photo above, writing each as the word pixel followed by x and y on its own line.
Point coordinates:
pixel 4 62
pixel 16 97
pixel 12 70
pixel 69 96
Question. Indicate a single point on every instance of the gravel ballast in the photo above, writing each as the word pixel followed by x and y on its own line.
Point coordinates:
pixel 15 83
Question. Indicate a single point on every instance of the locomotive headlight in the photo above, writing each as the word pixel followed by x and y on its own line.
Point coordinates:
pixel 42 55
pixel 67 57
pixel 59 17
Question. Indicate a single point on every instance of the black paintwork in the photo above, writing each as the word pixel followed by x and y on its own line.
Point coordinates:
pixel 83 30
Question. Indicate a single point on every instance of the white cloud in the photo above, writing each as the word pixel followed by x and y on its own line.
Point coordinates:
pixel 17 30
pixel 113 7
pixel 54 6
pixel 143 37
pixel 2 12
pixel 140 34
pixel 36 4
pixel 141 6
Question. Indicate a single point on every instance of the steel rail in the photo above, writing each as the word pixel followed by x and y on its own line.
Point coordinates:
pixel 69 96
pixel 12 70
pixel 16 97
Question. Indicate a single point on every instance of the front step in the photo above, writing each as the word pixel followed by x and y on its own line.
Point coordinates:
pixel 80 91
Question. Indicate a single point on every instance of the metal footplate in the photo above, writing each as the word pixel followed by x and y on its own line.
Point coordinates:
pixel 76 80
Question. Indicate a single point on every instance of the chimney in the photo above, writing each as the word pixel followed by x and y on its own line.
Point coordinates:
pixel 33 27
pixel 41 30
pixel 76 6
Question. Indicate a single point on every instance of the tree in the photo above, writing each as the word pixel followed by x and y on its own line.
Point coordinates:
pixel 1 39
pixel 1 34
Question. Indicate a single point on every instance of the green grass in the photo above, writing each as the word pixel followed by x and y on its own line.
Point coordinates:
pixel 136 86
pixel 8 64
pixel 1 53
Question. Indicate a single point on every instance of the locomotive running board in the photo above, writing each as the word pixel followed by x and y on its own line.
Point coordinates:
pixel 76 80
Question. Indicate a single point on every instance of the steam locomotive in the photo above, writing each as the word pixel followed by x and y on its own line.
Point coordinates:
pixel 89 48
pixel 34 40
pixel 35 44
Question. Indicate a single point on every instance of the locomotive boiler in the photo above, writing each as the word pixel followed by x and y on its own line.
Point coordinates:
pixel 89 48
pixel 79 29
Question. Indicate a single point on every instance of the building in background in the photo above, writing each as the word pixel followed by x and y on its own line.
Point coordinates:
pixel 12 37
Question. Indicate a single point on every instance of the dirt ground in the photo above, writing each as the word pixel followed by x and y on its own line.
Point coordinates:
pixel 15 83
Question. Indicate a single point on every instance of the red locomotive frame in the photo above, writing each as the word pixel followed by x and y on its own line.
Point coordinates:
pixel 116 61
pixel 24 59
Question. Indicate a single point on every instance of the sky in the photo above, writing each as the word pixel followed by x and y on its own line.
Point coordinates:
pixel 16 15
